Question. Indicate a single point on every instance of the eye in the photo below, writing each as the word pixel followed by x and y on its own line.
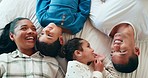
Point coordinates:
pixel 42 33
pixel 24 28
pixel 34 29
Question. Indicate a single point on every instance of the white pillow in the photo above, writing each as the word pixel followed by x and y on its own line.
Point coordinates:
pixel 11 9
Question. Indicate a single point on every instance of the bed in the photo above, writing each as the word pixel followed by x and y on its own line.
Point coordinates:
pixel 11 9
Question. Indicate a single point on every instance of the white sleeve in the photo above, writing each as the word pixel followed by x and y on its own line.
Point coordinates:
pixel 109 71
pixel 97 74
pixel 77 70
pixel 73 70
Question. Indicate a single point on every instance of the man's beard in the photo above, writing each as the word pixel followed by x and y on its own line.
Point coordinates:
pixel 48 49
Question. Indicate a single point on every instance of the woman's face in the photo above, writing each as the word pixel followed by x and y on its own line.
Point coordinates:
pixel 25 34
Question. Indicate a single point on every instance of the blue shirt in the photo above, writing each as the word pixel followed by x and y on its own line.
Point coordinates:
pixel 69 14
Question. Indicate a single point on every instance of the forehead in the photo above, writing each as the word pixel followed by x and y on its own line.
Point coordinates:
pixel 24 22
pixel 50 25
pixel 84 42
pixel 47 27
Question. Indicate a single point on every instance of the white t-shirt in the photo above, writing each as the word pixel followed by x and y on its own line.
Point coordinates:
pixel 105 16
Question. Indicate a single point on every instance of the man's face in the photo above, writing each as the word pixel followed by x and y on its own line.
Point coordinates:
pixel 122 48
pixel 50 33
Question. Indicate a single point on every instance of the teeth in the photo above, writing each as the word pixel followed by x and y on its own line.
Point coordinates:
pixel 117 41
pixel 30 38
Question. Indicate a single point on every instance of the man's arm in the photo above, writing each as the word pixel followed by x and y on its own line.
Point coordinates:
pixel 109 71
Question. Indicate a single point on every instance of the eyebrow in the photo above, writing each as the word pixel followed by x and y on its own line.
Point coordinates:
pixel 26 25
pixel 23 25
pixel 87 43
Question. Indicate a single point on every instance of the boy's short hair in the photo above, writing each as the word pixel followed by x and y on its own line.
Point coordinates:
pixel 52 49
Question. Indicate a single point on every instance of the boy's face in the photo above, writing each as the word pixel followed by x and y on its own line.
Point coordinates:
pixel 50 33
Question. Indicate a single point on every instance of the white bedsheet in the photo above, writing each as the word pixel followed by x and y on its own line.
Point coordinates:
pixel 11 9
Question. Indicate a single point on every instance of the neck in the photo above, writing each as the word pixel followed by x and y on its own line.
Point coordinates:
pixel 28 52
pixel 82 61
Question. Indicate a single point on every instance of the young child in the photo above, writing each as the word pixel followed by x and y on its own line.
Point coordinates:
pixel 70 15
pixel 79 55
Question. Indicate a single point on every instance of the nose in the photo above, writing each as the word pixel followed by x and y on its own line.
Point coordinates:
pixel 92 50
pixel 30 31
pixel 117 35
pixel 48 30
pixel 116 47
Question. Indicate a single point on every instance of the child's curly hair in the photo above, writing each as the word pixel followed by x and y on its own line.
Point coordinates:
pixel 69 48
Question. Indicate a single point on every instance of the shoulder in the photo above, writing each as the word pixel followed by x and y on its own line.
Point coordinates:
pixel 51 60
pixel 5 56
pixel 75 64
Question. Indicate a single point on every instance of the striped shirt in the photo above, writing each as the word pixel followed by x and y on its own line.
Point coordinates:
pixel 18 65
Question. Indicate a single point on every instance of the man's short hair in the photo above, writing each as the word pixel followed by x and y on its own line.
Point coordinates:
pixel 129 67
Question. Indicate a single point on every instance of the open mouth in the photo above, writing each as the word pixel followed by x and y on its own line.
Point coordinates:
pixel 118 41
pixel 49 36
pixel 30 38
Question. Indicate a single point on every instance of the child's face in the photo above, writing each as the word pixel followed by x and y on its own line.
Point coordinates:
pixel 87 53
pixel 50 33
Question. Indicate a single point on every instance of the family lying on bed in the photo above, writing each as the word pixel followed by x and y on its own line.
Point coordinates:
pixel 46 36
pixel 23 34
pixel 20 35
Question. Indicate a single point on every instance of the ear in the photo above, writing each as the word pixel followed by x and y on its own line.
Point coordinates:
pixel 137 51
pixel 11 36
pixel 78 53
pixel 61 40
